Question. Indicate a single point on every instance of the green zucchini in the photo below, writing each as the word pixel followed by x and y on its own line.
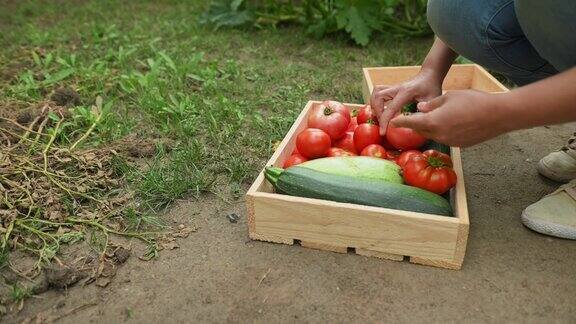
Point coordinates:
pixel 305 182
pixel 429 145
pixel 362 167
pixel 410 108
pixel 432 145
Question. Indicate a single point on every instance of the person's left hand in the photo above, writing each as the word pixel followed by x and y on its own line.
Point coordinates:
pixel 458 118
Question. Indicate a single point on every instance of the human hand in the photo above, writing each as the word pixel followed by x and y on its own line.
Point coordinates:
pixel 458 118
pixel 423 87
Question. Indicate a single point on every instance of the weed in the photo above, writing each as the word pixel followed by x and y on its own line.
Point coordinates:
pixel 19 293
pixel 166 179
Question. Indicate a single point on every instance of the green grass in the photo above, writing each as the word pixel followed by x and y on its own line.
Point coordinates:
pixel 19 293
pixel 224 97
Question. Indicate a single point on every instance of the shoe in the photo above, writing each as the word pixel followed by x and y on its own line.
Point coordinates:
pixel 555 214
pixel 560 165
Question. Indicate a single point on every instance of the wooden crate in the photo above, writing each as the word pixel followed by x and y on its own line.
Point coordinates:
pixel 460 77
pixel 370 231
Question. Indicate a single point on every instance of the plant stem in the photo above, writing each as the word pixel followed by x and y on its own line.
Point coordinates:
pixel 88 132
pixel 45 151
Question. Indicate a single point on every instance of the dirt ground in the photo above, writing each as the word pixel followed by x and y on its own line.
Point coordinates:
pixel 217 275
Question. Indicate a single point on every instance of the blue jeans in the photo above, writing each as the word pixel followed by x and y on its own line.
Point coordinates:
pixel 525 40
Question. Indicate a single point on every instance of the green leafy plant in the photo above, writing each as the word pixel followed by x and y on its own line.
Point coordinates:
pixel 357 18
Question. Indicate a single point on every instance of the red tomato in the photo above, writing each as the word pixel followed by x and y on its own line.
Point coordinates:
pixel 353 124
pixel 295 151
pixel 392 155
pixel 365 135
pixel 374 150
pixel 443 157
pixel 294 159
pixel 430 170
pixel 404 138
pixel 313 143
pixel 366 115
pixel 354 112
pixel 333 121
pixel 347 143
pixel 335 151
pixel 406 155
pixel 338 107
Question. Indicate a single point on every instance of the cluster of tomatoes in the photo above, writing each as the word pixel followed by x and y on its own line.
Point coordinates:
pixel 333 130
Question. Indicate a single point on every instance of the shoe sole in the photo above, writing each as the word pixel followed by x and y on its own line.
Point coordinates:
pixel 544 170
pixel 548 228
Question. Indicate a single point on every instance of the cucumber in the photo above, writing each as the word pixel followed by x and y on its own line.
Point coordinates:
pixel 305 182
pixel 432 145
pixel 362 167
pixel 410 108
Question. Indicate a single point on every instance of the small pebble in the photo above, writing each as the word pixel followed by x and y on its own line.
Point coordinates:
pixel 233 217
pixel 102 282
pixel 61 303
pixel 121 254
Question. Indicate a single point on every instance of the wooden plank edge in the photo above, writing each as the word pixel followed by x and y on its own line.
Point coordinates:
pixel 380 255
pixel 367 85
pixel 460 203
pixel 459 253
pixel 270 238
pixel 479 69
pixel 281 149
pixel 324 246
pixel 461 243
pixel 389 212
pixel 251 213
pixel 446 264
pixel 402 67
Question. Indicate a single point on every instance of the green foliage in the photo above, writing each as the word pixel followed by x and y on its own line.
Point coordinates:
pixel 357 18
pixel 19 292
pixel 227 13
pixel 165 181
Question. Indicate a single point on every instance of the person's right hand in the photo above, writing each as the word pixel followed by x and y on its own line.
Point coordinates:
pixel 387 101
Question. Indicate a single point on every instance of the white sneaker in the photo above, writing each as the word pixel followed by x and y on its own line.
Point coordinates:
pixel 555 214
pixel 560 165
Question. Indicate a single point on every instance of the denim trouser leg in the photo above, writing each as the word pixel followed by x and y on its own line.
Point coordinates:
pixel 488 33
pixel 550 25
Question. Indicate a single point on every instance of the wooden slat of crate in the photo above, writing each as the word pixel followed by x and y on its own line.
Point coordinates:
pixel 347 225
pixel 459 77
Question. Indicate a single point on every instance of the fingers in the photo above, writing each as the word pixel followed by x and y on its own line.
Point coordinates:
pixel 393 107
pixel 417 122
pixel 380 95
pixel 428 106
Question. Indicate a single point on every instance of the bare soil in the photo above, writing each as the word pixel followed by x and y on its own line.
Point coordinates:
pixel 217 274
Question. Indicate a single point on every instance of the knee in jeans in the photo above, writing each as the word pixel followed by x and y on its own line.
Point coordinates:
pixel 524 6
pixel 437 13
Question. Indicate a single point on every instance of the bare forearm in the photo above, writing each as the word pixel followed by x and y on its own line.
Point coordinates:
pixel 439 59
pixel 547 102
